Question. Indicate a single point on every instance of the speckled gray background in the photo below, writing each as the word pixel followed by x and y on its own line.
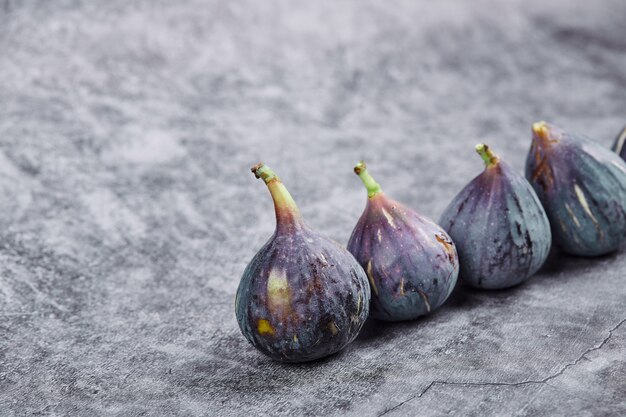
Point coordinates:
pixel 128 212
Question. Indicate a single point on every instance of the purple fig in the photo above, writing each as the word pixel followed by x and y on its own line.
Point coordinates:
pixel 618 145
pixel 582 186
pixel 303 296
pixel 499 227
pixel 411 263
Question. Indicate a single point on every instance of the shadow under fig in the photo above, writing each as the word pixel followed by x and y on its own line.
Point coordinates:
pixel 559 262
pixel 465 297
pixel 255 367
pixel 387 330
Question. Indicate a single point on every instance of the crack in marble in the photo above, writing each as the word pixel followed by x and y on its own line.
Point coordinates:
pixel 510 384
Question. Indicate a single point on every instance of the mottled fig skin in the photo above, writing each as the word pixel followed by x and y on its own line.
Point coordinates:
pixel 618 145
pixel 411 263
pixel 500 230
pixel 303 296
pixel 582 186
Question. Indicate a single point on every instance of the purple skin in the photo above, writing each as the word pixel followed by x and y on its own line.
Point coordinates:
pixel 303 296
pixel 499 227
pixel 411 263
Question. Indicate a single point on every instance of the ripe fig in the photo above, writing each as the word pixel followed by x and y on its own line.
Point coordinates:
pixel 498 225
pixel 303 296
pixel 618 145
pixel 582 186
pixel 411 263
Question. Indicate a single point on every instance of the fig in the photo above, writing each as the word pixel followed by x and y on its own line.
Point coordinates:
pixel 500 230
pixel 618 145
pixel 411 262
pixel 303 296
pixel 582 187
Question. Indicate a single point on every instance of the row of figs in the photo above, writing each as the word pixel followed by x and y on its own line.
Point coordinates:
pixel 303 296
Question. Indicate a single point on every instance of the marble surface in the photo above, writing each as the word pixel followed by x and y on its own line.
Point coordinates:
pixel 128 212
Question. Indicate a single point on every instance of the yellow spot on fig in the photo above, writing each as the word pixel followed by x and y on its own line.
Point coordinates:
pixel 425 300
pixel 448 246
pixel 572 215
pixel 295 338
pixel 371 277
pixel 333 328
pixel 620 142
pixel 389 218
pixel 264 327
pixel 583 202
pixel 323 258
pixel 402 287
pixel 278 293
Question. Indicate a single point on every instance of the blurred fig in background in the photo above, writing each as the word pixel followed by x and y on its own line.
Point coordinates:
pixel 582 186
pixel 410 261
pixel 303 296
pixel 499 227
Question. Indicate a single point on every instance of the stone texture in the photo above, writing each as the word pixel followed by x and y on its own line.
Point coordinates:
pixel 128 213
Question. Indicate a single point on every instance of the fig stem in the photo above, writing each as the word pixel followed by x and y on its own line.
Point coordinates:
pixel 372 186
pixel 488 156
pixel 541 131
pixel 284 204
pixel 540 128
pixel 261 170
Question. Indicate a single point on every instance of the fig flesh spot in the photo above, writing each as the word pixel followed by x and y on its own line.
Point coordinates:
pixel 582 187
pixel 303 296
pixel 411 262
pixel 500 230
pixel 618 144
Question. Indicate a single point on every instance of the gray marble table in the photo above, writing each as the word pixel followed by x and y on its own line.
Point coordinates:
pixel 128 212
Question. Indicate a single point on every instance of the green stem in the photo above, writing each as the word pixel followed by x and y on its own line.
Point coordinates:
pixel 261 170
pixel 283 202
pixel 488 156
pixel 372 186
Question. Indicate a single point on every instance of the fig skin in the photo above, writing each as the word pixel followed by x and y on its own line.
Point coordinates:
pixel 618 145
pixel 411 263
pixel 499 227
pixel 303 296
pixel 582 186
